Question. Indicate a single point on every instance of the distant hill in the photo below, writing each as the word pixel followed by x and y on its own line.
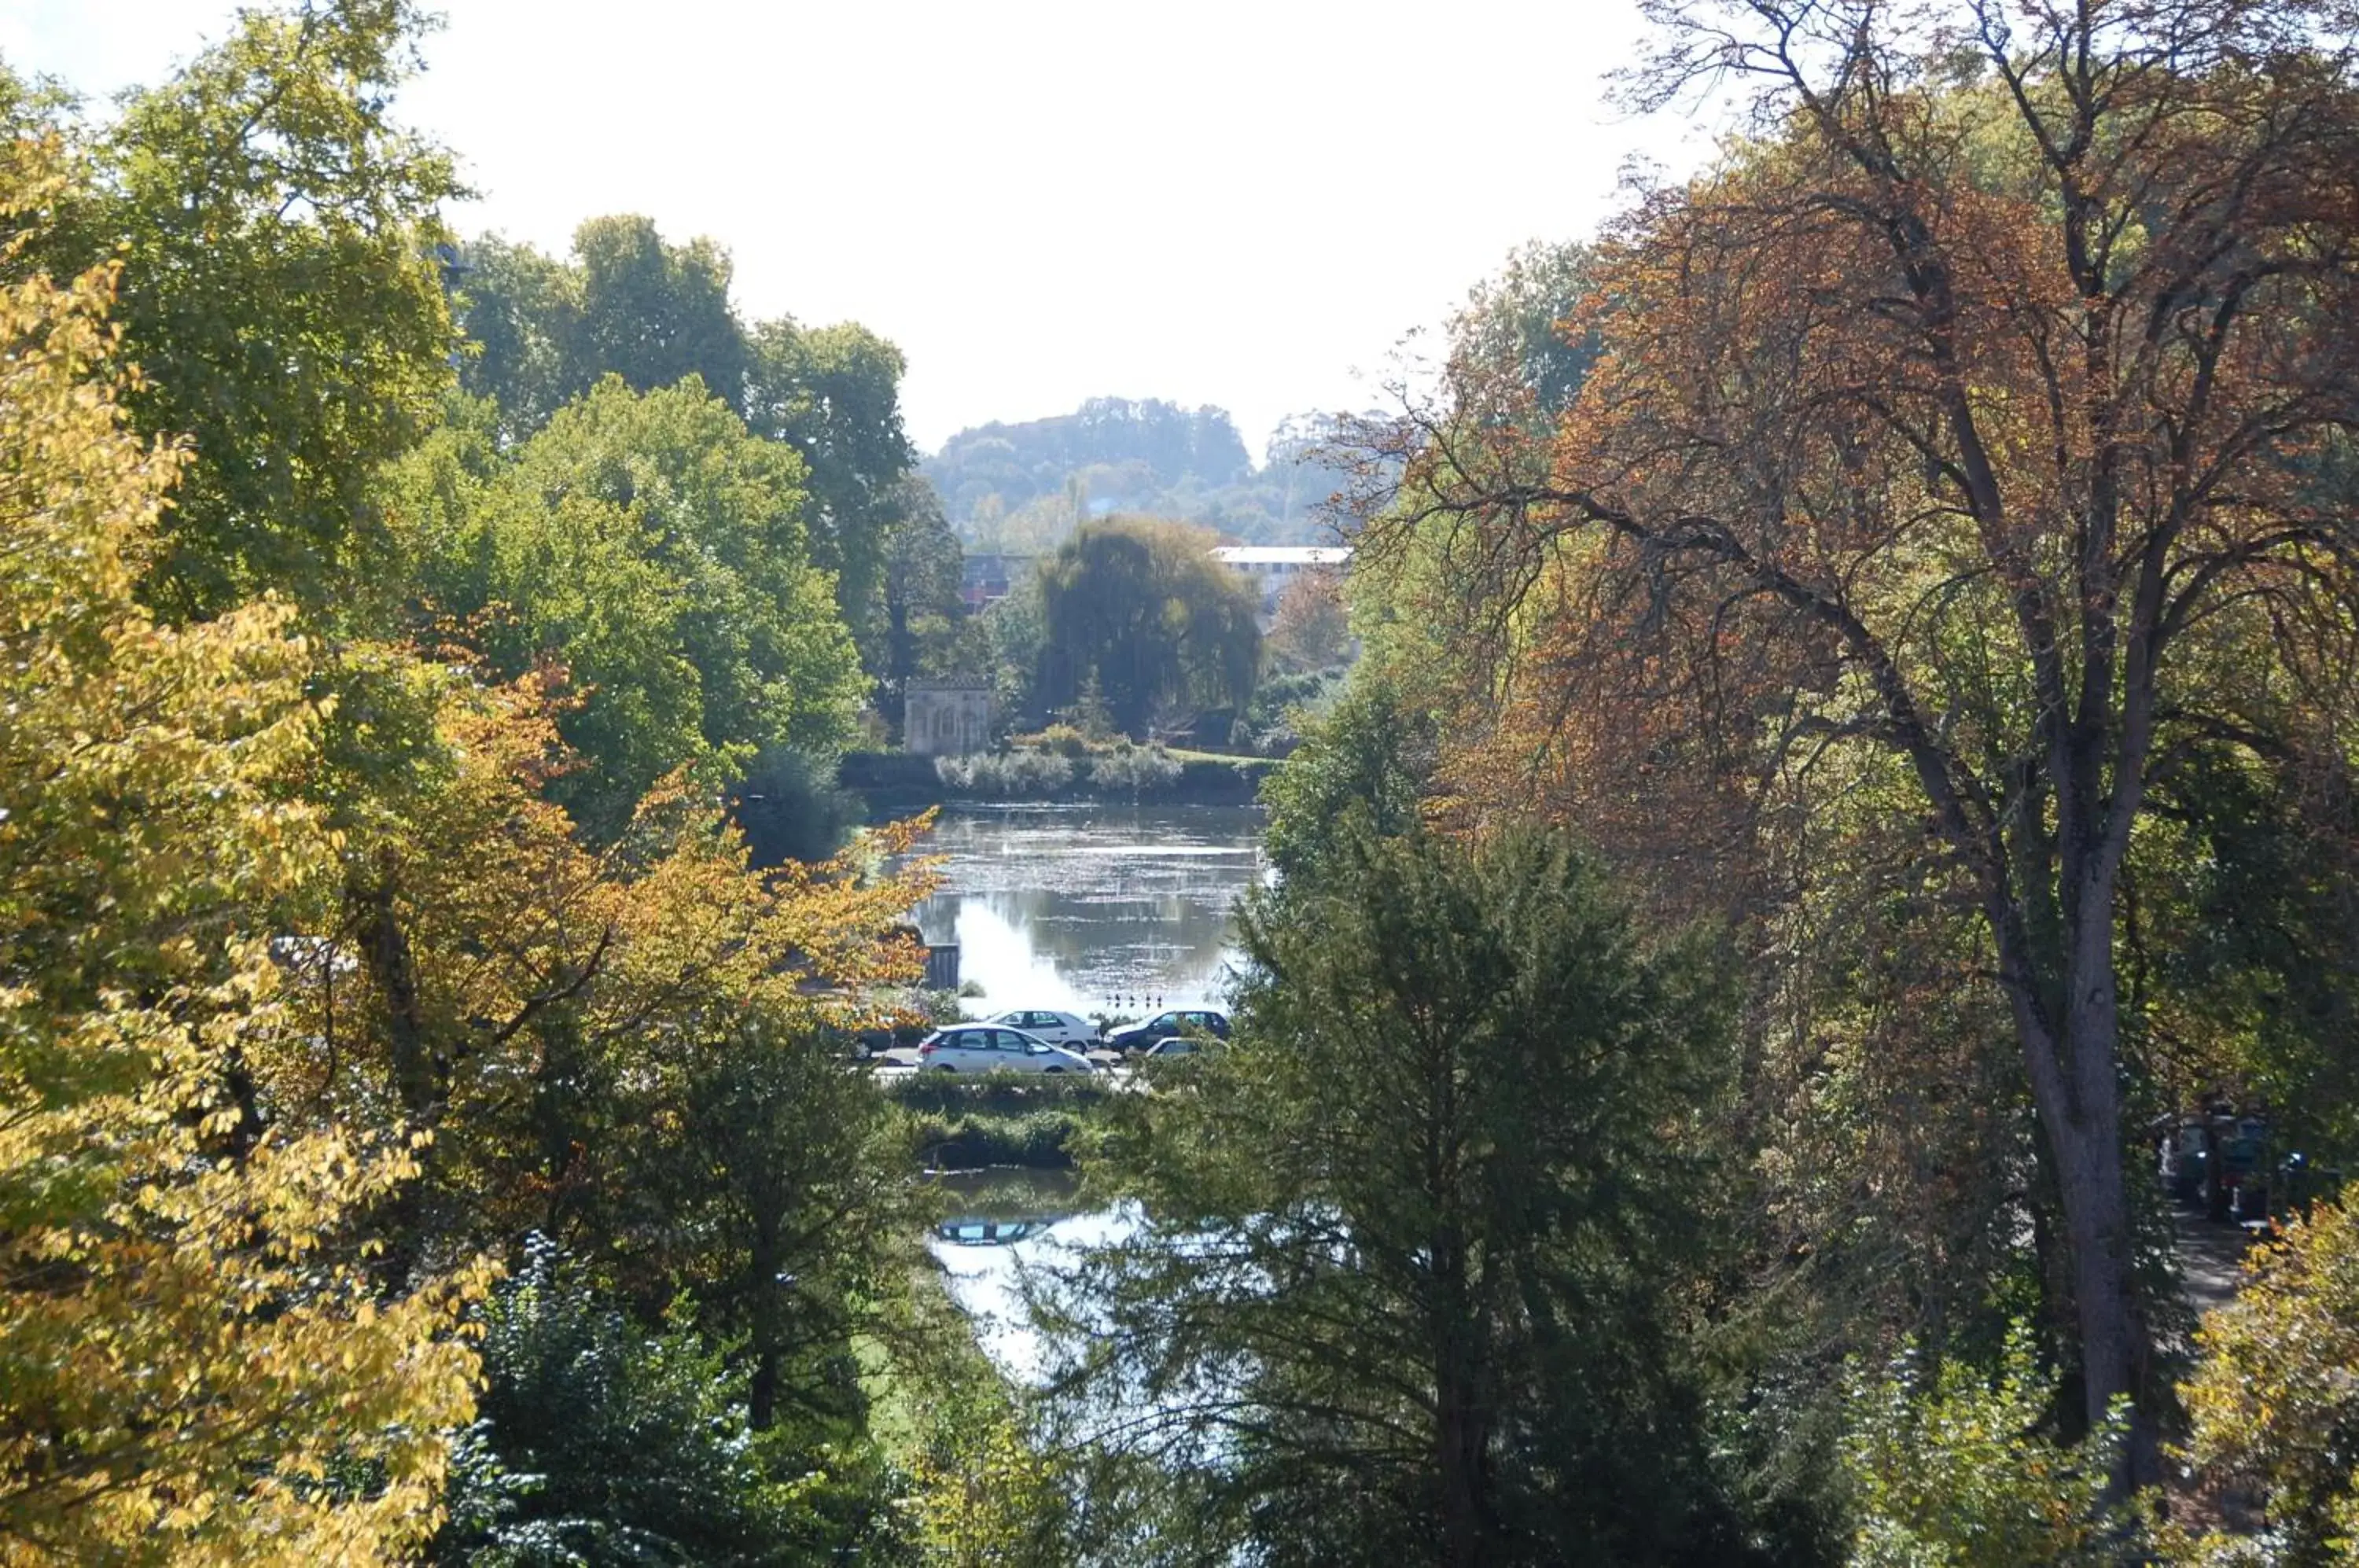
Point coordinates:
pixel 1023 488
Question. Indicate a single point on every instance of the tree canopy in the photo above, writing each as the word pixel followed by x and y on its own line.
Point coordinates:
pixel 1140 612
pixel 1980 418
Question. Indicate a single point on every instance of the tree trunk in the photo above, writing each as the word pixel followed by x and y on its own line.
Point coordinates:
pixel 2075 1083
pixel 1460 1442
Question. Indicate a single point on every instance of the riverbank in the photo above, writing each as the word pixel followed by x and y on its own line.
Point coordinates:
pixel 892 783
pixel 963 1126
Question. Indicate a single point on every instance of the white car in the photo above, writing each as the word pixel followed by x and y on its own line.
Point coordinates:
pixel 987 1048
pixel 1057 1029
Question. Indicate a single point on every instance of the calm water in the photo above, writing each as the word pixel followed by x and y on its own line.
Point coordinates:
pixel 1002 1224
pixel 1093 909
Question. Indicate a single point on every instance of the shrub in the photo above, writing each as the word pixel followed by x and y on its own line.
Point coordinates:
pixel 1135 770
pixel 601 1444
pixel 1963 1474
pixel 791 808
pixel 2275 1401
pixel 1007 776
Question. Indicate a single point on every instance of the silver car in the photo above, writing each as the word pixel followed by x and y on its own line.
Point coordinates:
pixel 1067 1029
pixel 989 1047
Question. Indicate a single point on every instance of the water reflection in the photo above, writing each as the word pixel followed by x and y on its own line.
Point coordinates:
pixel 1005 1225
pixel 1092 908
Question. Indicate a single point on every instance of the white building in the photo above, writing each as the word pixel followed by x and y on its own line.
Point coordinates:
pixel 1273 566
pixel 950 716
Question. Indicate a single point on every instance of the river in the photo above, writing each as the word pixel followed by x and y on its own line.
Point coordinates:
pixel 1092 908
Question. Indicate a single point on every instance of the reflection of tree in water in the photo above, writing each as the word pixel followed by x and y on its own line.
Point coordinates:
pixel 1120 902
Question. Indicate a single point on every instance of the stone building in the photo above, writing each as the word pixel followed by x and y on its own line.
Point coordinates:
pixel 949 716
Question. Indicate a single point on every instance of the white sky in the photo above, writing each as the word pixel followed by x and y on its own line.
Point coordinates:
pixel 1039 201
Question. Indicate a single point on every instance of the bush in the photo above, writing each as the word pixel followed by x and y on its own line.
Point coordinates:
pixel 600 1444
pixel 1135 770
pixel 2275 1401
pixel 1043 1140
pixel 1963 1475
pixel 1007 776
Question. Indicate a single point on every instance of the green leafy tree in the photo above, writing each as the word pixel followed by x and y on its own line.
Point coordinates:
pixel 1965 1473
pixel 833 394
pixel 785 1171
pixel 920 593
pixel 279 290
pixel 657 550
pixel 603 1445
pixel 631 303
pixel 1412 1285
pixel 1143 608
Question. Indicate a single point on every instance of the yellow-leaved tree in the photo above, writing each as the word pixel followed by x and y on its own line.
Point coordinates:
pixel 195 1367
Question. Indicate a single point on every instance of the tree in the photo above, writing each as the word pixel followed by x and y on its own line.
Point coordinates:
pixel 275 230
pixel 1144 608
pixel 601 1445
pixel 630 304
pixel 1311 630
pixel 1982 411
pixel 657 550
pixel 1408 1286
pixel 194 1368
pixel 921 591
pixel 834 395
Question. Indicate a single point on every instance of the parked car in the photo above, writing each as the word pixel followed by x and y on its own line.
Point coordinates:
pixel 1067 1029
pixel 1181 1020
pixel 986 1048
pixel 1177 1045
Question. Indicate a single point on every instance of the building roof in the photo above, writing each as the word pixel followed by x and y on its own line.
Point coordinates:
pixel 958 682
pixel 1282 554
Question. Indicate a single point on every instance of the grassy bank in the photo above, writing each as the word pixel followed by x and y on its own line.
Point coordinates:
pixel 974 1123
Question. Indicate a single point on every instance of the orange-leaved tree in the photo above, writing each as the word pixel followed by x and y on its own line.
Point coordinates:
pixel 194 1364
pixel 1988 409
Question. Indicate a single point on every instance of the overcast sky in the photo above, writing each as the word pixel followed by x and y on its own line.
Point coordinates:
pixel 1240 203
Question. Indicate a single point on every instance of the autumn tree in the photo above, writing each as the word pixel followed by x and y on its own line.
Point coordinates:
pixel 195 1367
pixel 1311 630
pixel 1986 410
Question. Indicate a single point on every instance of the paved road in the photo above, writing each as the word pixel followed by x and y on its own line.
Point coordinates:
pixel 2210 1258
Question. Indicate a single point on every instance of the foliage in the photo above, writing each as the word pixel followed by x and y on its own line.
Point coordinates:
pixel 654 551
pixel 2275 1401
pixel 920 596
pixel 275 228
pixel 1006 776
pixel 630 304
pixel 1135 770
pixel 190 1355
pixel 600 1444
pixel 1973 417
pixel 782 1175
pixel 789 806
pixel 1311 630
pixel 1369 761
pixel 834 395
pixel 1143 609
pixel 1413 1287
pixel 1963 1474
